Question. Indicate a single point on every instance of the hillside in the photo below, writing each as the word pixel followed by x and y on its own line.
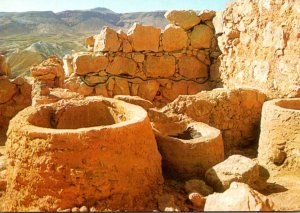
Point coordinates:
pixel 78 21
pixel 67 29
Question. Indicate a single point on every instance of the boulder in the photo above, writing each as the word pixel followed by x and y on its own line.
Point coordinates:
pixel 122 65
pixel 85 63
pixel 236 168
pixel 174 38
pixel 144 38
pixel 160 66
pixel 239 197
pixel 201 37
pixel 191 67
pixel 186 19
pixel 107 40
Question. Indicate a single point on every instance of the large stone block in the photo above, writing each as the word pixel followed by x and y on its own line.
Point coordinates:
pixel 148 90
pixel 191 67
pixel 201 37
pixel 235 168
pixel 85 63
pixel 183 18
pixel 122 65
pixel 121 87
pixel 163 66
pixel 144 38
pixel 107 40
pixel 174 38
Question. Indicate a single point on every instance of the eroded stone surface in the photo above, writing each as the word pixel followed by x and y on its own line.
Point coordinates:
pixel 239 197
pixel 144 38
pixel 107 40
pixel 188 150
pixel 280 135
pixel 191 67
pixel 201 36
pixel 235 168
pixel 76 166
pixel 174 38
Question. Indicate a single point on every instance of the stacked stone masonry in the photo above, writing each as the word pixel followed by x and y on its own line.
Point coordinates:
pixel 157 66
pixel 260 46
pixel 235 112
pixel 82 153
pixel 15 95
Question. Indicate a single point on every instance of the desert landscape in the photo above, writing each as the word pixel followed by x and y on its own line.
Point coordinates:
pixel 176 110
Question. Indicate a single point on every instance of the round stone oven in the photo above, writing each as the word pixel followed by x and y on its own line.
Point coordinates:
pixel 93 151
pixel 279 142
pixel 188 149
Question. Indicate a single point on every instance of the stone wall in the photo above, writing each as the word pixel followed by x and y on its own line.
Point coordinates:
pixel 235 112
pixel 15 95
pixel 260 46
pixel 157 66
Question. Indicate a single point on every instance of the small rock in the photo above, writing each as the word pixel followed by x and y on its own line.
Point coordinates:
pixel 198 186
pixel 93 209
pixel 75 209
pixel 63 210
pixel 197 199
pixel 83 209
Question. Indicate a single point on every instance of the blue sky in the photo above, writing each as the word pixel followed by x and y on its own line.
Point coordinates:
pixel 119 6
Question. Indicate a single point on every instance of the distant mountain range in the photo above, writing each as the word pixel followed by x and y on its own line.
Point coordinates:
pixel 74 21
pixel 30 37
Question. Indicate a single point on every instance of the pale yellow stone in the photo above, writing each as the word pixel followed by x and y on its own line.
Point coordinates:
pixel 107 40
pixel 186 19
pixel 87 62
pixel 144 38
pixel 201 37
pixel 174 38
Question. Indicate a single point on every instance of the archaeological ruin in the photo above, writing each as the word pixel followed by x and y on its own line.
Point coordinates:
pixel 201 116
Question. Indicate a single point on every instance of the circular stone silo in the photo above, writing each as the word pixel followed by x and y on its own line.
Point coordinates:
pixel 279 142
pixel 95 151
